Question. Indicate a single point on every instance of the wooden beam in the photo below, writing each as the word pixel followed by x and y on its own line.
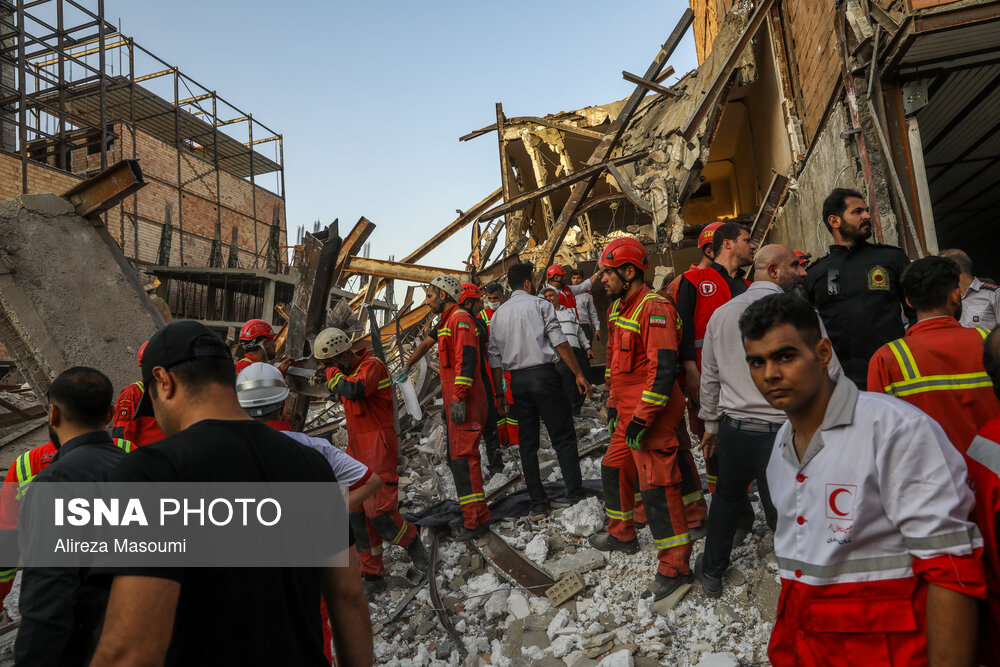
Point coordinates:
pixel 610 140
pixel 667 71
pixel 384 269
pixel 769 207
pixel 648 85
pixel 546 122
pixel 593 171
pixel 722 76
pixel 105 190
pixel 504 178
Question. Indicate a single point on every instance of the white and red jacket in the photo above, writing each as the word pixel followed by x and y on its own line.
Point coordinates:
pixel 877 509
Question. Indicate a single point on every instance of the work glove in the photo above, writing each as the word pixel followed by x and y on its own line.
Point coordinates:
pixel 612 421
pixel 317 380
pixel 634 432
pixel 457 412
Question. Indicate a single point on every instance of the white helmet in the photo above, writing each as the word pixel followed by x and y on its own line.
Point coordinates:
pixel 330 342
pixel 261 389
pixel 449 285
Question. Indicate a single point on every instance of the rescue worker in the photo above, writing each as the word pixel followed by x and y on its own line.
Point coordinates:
pixel 257 339
pixel 700 293
pixel 464 400
pixel 645 406
pixel 980 300
pixel 128 424
pixel 585 308
pixel 878 560
pixel 707 255
pixel 855 286
pixel 261 390
pixel 938 365
pixel 506 425
pixel 983 459
pixel 362 382
pixel 556 277
pixel 470 300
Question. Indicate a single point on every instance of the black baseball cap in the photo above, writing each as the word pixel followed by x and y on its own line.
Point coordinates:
pixel 175 343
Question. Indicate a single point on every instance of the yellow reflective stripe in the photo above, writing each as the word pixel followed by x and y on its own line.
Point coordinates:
pixel 382 384
pixel 907 365
pixel 462 379
pixel 24 475
pixel 471 498
pixel 444 331
pixel 927 383
pixel 125 445
pixel 621 516
pixel 512 422
pixel 693 497
pixel 7 575
pixel 712 479
pixel 670 542
pixel 402 531
pixel 638 495
pixel 983 332
pixel 632 324
pixel 139 384
pixel 628 325
pixel 376 551
pixel 332 384
pixel 654 398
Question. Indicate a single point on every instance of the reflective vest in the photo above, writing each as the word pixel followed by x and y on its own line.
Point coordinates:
pixel 938 367
pixel 713 291
pixel 366 394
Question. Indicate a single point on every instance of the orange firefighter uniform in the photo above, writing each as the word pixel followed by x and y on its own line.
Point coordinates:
pixel 642 381
pixel 983 459
pixel 506 426
pixel 366 394
pixel 938 367
pixel 458 356
pixel 138 430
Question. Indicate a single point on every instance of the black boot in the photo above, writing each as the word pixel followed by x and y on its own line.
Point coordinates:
pixel 608 542
pixel 418 554
pixel 663 585
pixel 374 584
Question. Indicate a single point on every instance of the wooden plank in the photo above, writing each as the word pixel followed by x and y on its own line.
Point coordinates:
pixel 384 269
pixel 609 141
pixel 545 122
pixel 648 85
pixel 769 207
pixel 593 171
pixel 722 76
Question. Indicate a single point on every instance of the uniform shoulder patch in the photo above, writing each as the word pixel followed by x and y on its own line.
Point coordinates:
pixel 878 278
pixel 463 325
pixel 990 286
pixel 657 320
pixel 707 288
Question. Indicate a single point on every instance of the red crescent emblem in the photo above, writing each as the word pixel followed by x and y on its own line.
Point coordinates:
pixel 833 502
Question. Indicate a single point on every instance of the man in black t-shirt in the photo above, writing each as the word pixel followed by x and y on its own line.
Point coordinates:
pixel 214 616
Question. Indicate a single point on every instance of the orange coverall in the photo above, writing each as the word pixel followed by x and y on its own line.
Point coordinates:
pixel 506 426
pixel 137 430
pixel 366 394
pixel 642 349
pixel 458 356
pixel 938 367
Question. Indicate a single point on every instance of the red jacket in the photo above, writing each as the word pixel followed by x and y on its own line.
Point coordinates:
pixel 983 459
pixel 458 355
pixel 366 394
pixel 138 430
pixel 642 364
pixel 938 367
pixel 712 293
pixel 244 362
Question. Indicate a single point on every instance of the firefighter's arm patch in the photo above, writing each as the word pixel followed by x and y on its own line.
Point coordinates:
pixel 658 320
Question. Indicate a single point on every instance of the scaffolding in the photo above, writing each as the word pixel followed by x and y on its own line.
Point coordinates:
pixel 70 88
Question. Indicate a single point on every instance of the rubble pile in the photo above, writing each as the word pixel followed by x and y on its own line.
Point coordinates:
pixel 500 623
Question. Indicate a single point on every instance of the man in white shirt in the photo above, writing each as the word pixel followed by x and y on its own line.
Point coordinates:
pixel 577 339
pixel 586 311
pixel 980 300
pixel 739 424
pixel 879 563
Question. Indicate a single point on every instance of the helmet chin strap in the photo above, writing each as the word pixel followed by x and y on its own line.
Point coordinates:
pixel 626 283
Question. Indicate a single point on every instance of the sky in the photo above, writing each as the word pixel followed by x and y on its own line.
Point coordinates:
pixel 371 97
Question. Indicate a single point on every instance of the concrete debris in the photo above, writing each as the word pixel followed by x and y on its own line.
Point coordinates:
pixel 718 660
pixel 584 518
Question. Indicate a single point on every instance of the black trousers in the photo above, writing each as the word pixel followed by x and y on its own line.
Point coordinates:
pixel 538 396
pixel 490 434
pixel 742 457
pixel 589 330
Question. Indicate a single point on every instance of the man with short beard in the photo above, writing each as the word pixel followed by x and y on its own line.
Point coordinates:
pixel 855 286
pixel 739 424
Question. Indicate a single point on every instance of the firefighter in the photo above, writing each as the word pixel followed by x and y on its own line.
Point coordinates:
pixel 128 424
pixel 470 301
pixel 464 400
pixel 983 459
pixel 938 365
pixel 506 425
pixel 365 389
pixel 556 277
pixel 645 407
pixel 257 339
pixel 705 245
pixel 878 560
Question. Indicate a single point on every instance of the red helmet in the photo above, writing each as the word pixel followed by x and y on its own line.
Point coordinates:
pixel 708 233
pixel 555 270
pixel 804 257
pixel 142 348
pixel 469 291
pixel 254 329
pixel 625 250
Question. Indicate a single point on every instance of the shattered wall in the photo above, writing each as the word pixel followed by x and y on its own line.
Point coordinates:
pixel 64 300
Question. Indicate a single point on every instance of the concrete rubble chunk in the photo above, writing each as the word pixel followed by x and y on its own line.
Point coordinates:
pixel 49 205
pixel 581 562
pixel 718 660
pixel 666 604
pixel 583 519
pixel 578 659
pixel 517 606
pixel 621 658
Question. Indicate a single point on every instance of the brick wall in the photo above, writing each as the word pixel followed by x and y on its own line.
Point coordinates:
pixel 815 58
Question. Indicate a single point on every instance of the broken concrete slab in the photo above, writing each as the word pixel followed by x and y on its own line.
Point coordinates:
pixel 718 660
pixel 666 604
pixel 54 267
pixel 580 562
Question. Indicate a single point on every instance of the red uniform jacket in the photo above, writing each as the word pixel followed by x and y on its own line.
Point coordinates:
pixel 458 355
pixel 244 362
pixel 938 367
pixel 712 293
pixel 642 368
pixel 138 430
pixel 366 393
pixel 983 459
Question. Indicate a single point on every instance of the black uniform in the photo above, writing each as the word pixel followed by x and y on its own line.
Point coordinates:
pixel 857 293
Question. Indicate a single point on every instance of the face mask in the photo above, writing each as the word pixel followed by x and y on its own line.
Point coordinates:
pixel 493 304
